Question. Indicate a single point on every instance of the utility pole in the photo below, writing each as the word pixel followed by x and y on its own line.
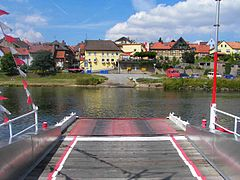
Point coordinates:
pixel 214 89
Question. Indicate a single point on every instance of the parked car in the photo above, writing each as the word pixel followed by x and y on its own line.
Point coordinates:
pixel 195 75
pixel 172 73
pixel 210 75
pixel 229 76
pixel 184 75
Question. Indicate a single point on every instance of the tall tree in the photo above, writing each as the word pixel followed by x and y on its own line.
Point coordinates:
pixel 188 57
pixel 44 62
pixel 160 40
pixel 8 65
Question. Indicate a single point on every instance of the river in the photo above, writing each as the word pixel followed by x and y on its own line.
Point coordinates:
pixel 56 102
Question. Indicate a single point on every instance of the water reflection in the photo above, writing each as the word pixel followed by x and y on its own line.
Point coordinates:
pixel 55 103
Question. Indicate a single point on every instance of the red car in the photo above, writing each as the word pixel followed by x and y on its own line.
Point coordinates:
pixel 172 73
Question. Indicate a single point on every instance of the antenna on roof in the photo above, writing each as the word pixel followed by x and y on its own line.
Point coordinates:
pixel 86 37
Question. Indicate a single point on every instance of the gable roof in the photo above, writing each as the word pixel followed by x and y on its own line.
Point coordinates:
pixel 40 47
pixel 101 45
pixel 234 45
pixel 20 51
pixel 124 39
pixel 200 48
pixel 168 45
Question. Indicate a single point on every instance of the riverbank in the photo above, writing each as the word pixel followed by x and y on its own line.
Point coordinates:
pixel 202 84
pixel 59 79
pixel 123 80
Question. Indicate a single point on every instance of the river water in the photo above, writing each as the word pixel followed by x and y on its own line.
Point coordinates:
pixel 56 102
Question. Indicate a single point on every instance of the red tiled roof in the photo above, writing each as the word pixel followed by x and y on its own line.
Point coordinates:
pixel 234 45
pixel 5 50
pixel 40 47
pixel 199 48
pixel 21 51
pixel 60 55
pixel 162 46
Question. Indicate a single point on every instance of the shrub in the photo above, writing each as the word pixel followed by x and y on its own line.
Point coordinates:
pixel 90 80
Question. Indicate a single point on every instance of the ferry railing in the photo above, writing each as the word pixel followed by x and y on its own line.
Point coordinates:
pixel 10 122
pixel 235 118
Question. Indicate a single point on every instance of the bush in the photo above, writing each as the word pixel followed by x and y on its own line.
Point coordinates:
pixel 207 71
pixel 90 80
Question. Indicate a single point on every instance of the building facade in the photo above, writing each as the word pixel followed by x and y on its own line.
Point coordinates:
pixel 101 55
pixel 171 49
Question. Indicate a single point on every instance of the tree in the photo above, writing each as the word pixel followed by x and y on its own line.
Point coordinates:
pixel 188 57
pixel 160 40
pixel 44 62
pixel 8 65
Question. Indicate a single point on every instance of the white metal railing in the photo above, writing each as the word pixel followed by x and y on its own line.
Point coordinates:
pixel 236 121
pixel 10 122
pixel 178 121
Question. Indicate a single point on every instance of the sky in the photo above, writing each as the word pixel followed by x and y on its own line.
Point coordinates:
pixel 141 20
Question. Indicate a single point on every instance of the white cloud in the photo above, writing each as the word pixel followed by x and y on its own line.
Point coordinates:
pixel 30 34
pixel 190 18
pixel 26 27
pixel 35 20
pixel 143 5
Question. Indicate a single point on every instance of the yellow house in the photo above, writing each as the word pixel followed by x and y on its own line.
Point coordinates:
pixel 228 47
pixel 127 48
pixel 101 55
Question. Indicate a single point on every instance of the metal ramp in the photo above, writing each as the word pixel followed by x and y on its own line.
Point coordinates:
pixel 124 148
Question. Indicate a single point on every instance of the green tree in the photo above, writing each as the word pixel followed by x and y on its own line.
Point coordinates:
pixel 44 62
pixel 8 65
pixel 188 57
pixel 160 40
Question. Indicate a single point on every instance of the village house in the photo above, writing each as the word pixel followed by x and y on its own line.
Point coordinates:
pixel 200 49
pixel 130 47
pixel 64 56
pixel 171 49
pixel 227 48
pixel 101 55
pixel 79 51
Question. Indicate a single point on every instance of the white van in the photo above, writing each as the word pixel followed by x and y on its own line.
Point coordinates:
pixel 210 75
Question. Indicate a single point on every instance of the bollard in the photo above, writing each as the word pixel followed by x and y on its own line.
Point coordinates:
pixel 204 123
pixel 44 125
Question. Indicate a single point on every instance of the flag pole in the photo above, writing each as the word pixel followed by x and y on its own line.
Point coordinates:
pixel 214 89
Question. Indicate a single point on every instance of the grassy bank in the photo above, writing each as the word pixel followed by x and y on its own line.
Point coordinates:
pixel 194 84
pixel 60 79
pixel 201 84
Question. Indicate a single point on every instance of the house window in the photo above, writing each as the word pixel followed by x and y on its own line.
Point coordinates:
pixel 107 54
pixel 221 45
pixel 95 53
pixel 135 50
pixel 89 53
pixel 225 45
pixel 112 60
pixel 112 54
pixel 103 60
pixel 116 53
pixel 102 53
pixel 85 64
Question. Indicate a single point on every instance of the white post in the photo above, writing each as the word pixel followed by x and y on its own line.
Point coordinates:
pixel 235 125
pixel 212 117
pixel 36 119
pixel 10 130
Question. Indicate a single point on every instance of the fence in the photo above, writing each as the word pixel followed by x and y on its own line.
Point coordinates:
pixel 230 121
pixel 15 120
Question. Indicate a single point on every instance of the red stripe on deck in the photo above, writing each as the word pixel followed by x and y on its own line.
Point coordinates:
pixel 197 171
pixel 83 127
pixel 122 128
pixel 161 127
pixel 126 119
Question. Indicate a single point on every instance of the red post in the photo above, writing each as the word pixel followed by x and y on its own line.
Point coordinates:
pixel 214 90
pixel 204 123
pixel 44 125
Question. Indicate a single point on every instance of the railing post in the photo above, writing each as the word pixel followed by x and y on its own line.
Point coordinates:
pixel 212 117
pixel 36 119
pixel 10 130
pixel 235 125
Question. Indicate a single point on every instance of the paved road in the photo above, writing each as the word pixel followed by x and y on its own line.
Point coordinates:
pixel 123 79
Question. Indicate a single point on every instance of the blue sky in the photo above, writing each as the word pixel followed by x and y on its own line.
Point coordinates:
pixel 142 20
